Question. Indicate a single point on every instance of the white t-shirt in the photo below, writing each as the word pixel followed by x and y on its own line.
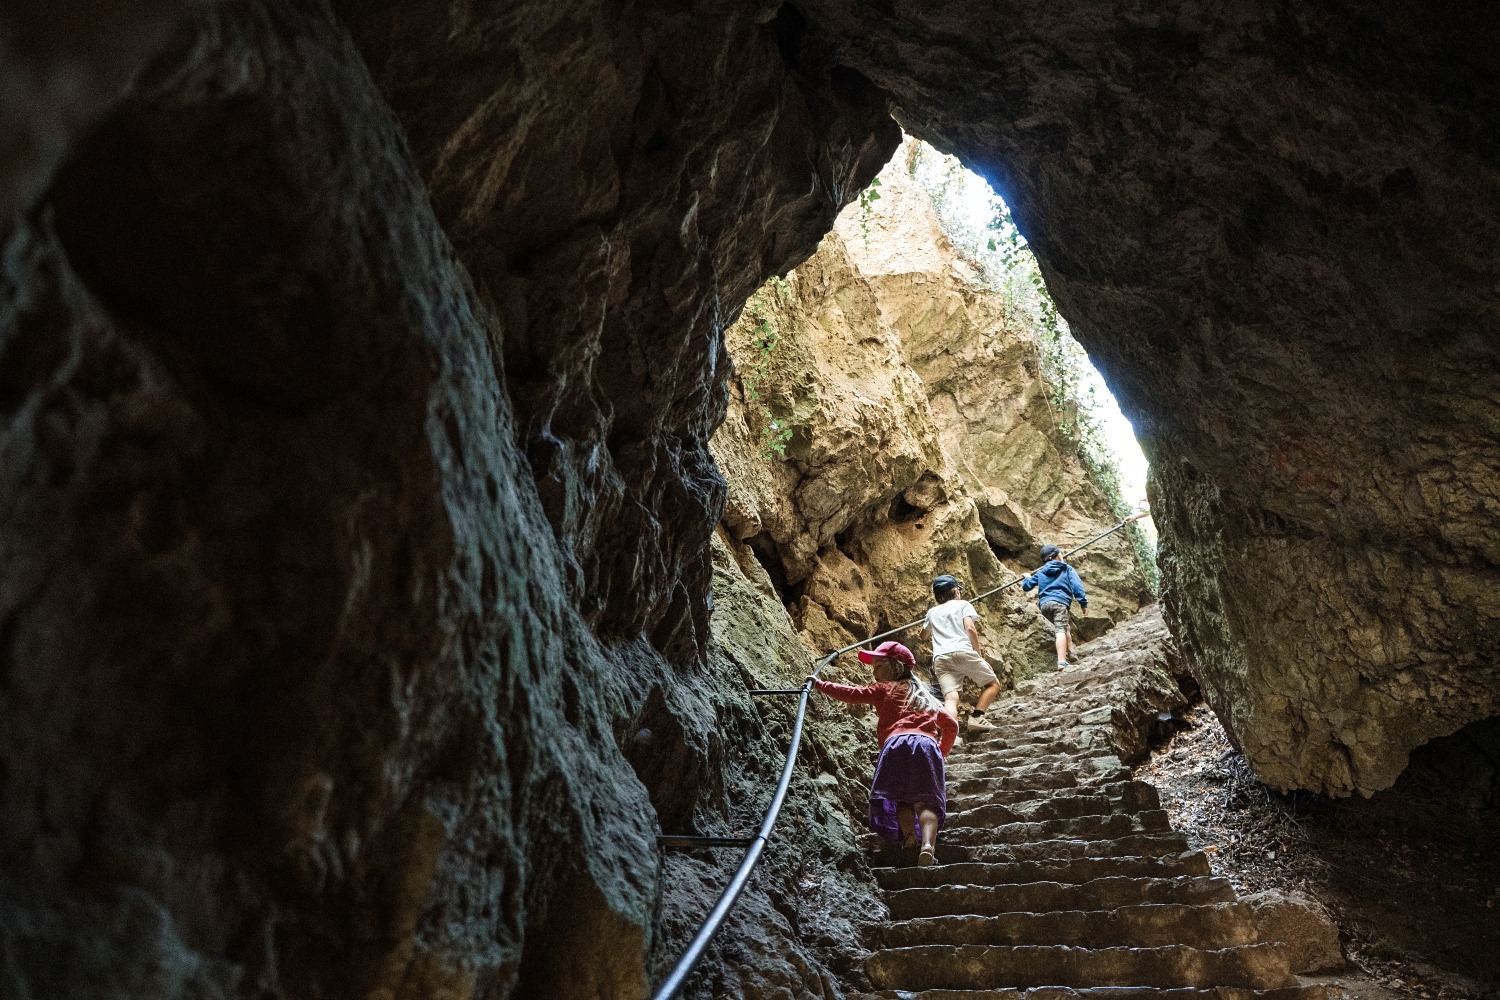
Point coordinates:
pixel 946 623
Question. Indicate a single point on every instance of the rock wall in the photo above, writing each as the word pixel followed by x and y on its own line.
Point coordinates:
pixel 1273 230
pixel 355 499
pixel 914 434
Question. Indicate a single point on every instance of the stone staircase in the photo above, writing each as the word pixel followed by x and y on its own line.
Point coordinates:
pixel 1059 875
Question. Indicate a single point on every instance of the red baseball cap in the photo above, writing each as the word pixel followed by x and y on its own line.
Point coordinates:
pixel 894 650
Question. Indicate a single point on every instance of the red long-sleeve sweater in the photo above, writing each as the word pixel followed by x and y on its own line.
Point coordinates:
pixel 892 717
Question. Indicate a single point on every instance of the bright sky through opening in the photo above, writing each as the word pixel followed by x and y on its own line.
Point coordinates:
pixel 974 195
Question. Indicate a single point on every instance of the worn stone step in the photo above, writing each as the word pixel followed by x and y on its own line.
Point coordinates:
pixel 973 967
pixel 1066 870
pixel 1059 719
pixel 995 760
pixel 1133 795
pixel 1005 783
pixel 1011 734
pixel 1315 992
pixel 1147 845
pixel 1006 736
pixel 1097 771
pixel 974 757
pixel 979 809
pixel 1107 827
pixel 1037 897
pixel 1041 778
pixel 994 752
pixel 1000 755
pixel 1152 925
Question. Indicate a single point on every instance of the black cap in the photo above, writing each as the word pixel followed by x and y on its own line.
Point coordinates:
pixel 943 584
pixel 1050 551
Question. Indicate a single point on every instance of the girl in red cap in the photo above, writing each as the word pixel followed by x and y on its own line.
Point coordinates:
pixel 908 798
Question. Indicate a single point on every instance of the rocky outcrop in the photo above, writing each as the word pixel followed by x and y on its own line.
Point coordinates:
pixel 1262 225
pixel 889 421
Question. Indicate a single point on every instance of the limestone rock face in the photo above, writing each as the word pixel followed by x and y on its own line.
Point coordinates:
pixel 1274 232
pixel 889 423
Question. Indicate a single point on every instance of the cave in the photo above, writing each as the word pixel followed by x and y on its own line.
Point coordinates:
pixel 361 532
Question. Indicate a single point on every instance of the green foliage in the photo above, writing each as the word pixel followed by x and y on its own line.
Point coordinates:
pixel 775 434
pixel 867 199
pixel 1005 264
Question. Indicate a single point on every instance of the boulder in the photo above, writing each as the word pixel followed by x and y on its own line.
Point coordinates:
pixel 1303 924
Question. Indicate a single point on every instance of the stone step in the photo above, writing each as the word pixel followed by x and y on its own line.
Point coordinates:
pixel 1148 845
pixel 996 751
pixel 1098 771
pixel 1033 786
pixel 1038 897
pixel 1065 870
pixel 1091 760
pixel 1316 992
pixel 986 811
pixel 1137 794
pixel 1064 715
pixel 1041 780
pixel 1007 735
pixel 977 967
pixel 1107 827
pixel 995 760
pixel 1010 734
pixel 1216 925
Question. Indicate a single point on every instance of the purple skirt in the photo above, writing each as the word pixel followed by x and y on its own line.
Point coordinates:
pixel 909 769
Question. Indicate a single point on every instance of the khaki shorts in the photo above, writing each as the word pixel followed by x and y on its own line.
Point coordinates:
pixel 1057 615
pixel 952 668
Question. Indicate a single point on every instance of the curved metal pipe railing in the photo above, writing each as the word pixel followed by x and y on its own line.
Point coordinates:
pixel 695 949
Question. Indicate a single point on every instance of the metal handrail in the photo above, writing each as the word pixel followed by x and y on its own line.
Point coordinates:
pixel 695 949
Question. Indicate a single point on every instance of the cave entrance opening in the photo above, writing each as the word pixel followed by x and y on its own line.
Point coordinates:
pixel 914 373
pixel 976 220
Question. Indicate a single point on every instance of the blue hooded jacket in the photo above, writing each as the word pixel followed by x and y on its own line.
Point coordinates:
pixel 1059 582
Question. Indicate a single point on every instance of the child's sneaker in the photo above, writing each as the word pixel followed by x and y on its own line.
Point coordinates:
pixel 926 858
pixel 979 723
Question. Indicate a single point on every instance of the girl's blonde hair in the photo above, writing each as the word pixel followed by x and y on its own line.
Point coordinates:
pixel 919 697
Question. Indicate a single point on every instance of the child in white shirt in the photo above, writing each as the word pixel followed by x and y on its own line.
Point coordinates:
pixel 953 625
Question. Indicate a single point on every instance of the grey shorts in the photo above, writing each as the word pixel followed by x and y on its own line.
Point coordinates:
pixel 1056 615
pixel 952 668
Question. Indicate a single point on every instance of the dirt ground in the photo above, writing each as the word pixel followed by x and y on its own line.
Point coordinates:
pixel 1412 876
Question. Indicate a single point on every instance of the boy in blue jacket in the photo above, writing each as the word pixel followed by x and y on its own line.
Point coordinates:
pixel 1057 585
